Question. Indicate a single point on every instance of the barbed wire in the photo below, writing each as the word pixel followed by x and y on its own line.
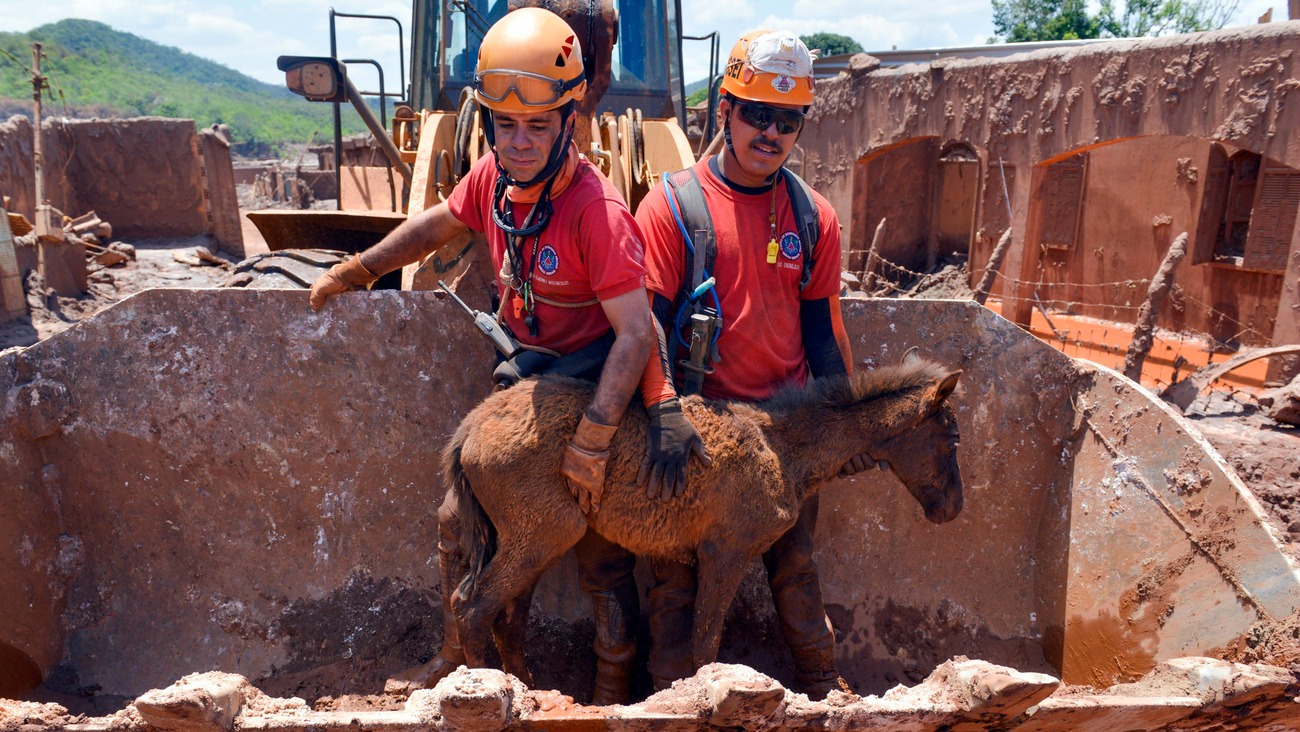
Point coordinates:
pixel 1187 349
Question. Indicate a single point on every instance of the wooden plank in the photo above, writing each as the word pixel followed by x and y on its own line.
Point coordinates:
pixel 14 305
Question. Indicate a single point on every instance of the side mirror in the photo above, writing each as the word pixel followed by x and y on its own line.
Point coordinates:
pixel 318 78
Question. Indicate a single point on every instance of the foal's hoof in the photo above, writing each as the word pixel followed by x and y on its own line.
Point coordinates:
pixel 420 677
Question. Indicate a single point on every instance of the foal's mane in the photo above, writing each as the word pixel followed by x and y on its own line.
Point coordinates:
pixel 864 385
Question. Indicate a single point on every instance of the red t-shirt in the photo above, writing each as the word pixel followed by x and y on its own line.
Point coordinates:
pixel 762 342
pixel 591 250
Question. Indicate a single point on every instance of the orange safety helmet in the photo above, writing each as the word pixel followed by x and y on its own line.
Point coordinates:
pixel 529 61
pixel 770 66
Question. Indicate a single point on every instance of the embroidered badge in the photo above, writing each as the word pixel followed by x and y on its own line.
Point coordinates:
pixel 548 261
pixel 790 245
pixel 783 84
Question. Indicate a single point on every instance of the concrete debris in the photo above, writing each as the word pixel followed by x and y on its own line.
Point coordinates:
pixel 187 258
pixel 104 256
pixel 206 255
pixel 742 697
pixel 1283 403
pixel 1183 392
pixel 962 694
pixel 89 223
pixel 201 703
pixel 201 257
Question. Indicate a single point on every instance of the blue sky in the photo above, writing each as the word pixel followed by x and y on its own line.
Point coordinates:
pixel 247 35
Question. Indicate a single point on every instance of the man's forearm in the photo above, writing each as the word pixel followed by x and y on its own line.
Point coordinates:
pixel 415 238
pixel 619 379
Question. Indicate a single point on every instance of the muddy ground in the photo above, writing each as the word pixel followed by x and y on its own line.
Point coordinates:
pixel 1265 455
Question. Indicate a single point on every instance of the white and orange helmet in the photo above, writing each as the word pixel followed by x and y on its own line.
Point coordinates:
pixel 775 67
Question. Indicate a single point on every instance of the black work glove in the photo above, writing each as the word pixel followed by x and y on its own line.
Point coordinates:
pixel 672 440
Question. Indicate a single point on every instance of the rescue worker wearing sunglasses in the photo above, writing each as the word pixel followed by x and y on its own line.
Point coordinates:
pixel 780 320
pixel 572 283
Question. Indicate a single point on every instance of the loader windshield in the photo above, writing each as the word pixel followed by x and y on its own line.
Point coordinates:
pixel 645 66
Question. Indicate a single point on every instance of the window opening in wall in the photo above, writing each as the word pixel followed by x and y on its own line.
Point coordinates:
pixel 957 187
pixel 1242 178
pixel 1062 199
pixel 1248 211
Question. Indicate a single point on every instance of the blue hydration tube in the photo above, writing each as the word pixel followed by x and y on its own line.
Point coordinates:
pixel 706 286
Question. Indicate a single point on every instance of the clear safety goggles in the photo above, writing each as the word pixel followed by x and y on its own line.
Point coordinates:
pixel 761 116
pixel 532 90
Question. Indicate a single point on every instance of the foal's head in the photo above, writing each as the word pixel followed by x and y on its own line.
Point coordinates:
pixel 913 427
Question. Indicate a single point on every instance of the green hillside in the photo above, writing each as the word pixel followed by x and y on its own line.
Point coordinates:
pixel 97 71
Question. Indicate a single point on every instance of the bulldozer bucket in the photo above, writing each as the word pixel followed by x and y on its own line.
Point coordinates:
pixel 348 231
pixel 225 480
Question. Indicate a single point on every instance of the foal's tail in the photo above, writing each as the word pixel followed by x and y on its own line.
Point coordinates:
pixel 478 537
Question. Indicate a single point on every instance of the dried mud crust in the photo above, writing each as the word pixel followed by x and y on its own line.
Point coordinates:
pixel 1264 453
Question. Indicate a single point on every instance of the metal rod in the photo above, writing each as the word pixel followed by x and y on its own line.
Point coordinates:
pixel 383 117
pixel 338 127
pixel 38 157
pixel 385 142
pixel 401 42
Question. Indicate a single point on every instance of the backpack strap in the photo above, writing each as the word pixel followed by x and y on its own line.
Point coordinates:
pixel 806 220
pixel 696 223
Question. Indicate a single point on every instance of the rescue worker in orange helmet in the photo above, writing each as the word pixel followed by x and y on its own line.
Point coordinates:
pixel 571 282
pixel 779 311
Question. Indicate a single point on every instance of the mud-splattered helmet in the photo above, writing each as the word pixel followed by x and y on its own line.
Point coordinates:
pixel 774 67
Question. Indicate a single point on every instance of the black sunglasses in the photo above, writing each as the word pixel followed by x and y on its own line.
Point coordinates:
pixel 761 116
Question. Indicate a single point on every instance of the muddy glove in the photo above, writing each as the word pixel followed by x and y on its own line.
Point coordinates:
pixel 343 277
pixel 861 463
pixel 672 440
pixel 584 461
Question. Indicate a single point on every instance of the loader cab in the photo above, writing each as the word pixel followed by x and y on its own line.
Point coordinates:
pixel 645 69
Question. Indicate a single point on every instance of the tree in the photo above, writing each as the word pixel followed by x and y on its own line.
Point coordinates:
pixel 1017 21
pixel 831 44
pixel 1054 20
pixel 1158 17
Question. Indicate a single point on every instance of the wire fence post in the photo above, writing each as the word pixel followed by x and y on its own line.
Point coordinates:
pixel 995 264
pixel 1158 292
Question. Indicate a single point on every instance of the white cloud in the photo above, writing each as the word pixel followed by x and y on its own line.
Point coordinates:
pixel 248 35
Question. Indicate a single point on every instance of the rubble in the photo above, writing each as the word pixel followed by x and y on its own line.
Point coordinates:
pixel 961 694
pixel 1283 403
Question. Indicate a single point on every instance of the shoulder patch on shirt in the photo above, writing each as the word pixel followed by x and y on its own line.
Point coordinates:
pixel 548 261
pixel 791 247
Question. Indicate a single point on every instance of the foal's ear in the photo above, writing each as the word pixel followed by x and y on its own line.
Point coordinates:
pixel 944 389
pixel 911 355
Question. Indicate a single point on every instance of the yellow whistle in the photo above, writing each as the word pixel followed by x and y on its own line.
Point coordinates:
pixel 772 249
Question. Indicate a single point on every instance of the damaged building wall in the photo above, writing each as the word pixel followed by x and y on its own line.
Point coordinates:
pixel 1106 238
pixel 1021 113
pixel 145 176
pixel 210 502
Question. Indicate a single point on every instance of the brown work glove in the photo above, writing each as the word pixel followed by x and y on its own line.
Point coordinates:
pixel 860 463
pixel 345 276
pixel 584 461
pixel 672 439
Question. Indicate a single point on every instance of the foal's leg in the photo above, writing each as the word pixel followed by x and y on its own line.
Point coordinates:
pixel 518 563
pixel 509 631
pixel 721 569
